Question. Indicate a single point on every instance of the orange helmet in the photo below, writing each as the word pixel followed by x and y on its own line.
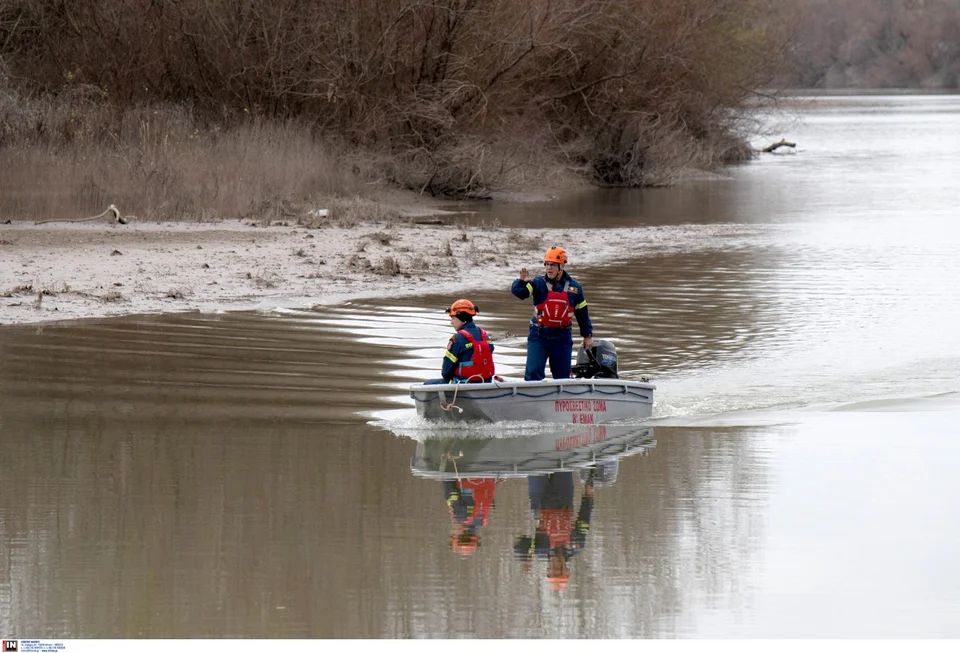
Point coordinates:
pixel 464 544
pixel 558 583
pixel 555 255
pixel 463 306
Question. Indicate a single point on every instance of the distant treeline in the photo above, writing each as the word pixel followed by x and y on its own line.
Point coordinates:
pixel 875 44
pixel 461 94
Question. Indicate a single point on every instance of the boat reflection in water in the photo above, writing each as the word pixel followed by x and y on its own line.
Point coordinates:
pixel 471 467
pixel 448 458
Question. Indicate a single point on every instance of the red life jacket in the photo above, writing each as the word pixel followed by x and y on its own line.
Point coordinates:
pixel 482 490
pixel 557 524
pixel 555 311
pixel 482 362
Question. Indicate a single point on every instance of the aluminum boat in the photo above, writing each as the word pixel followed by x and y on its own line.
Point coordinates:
pixel 584 401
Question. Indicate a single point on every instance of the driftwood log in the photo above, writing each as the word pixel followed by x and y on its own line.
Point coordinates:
pixel 781 143
pixel 117 218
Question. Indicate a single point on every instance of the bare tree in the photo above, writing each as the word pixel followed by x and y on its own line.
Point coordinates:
pixel 458 92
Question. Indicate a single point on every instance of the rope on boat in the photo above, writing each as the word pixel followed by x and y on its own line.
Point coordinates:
pixel 449 456
pixel 452 403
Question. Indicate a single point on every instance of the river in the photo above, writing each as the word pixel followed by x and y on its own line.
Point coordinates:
pixel 264 474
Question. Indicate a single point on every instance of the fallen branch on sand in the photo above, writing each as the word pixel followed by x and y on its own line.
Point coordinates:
pixel 117 218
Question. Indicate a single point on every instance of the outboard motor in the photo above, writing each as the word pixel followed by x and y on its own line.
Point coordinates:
pixel 603 475
pixel 600 361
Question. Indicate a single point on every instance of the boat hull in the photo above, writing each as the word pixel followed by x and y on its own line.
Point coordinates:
pixel 558 401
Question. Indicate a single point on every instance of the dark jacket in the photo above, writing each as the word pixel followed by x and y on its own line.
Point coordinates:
pixel 459 350
pixel 538 287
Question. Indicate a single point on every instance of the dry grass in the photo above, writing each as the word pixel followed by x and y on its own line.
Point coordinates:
pixel 524 242
pixel 387 267
pixel 359 263
pixel 162 164
pixel 380 237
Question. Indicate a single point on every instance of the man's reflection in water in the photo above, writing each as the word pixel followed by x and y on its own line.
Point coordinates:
pixel 470 501
pixel 559 533
pixel 556 466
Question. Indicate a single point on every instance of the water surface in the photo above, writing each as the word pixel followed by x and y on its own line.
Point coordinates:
pixel 264 475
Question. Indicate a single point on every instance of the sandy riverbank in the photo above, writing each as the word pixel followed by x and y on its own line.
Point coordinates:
pixel 61 271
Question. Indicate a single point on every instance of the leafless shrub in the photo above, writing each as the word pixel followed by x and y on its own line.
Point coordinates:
pixel 419 264
pixel 520 241
pixel 478 255
pixel 381 237
pixel 388 267
pixel 267 279
pixel 450 97
pixel 59 288
pixel 360 263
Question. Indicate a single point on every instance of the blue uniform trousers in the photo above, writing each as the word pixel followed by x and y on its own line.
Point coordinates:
pixel 551 491
pixel 543 344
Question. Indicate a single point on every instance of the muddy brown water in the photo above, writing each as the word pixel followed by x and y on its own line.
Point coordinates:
pixel 264 475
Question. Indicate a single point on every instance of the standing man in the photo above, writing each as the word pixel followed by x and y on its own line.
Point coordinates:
pixel 560 533
pixel 557 299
